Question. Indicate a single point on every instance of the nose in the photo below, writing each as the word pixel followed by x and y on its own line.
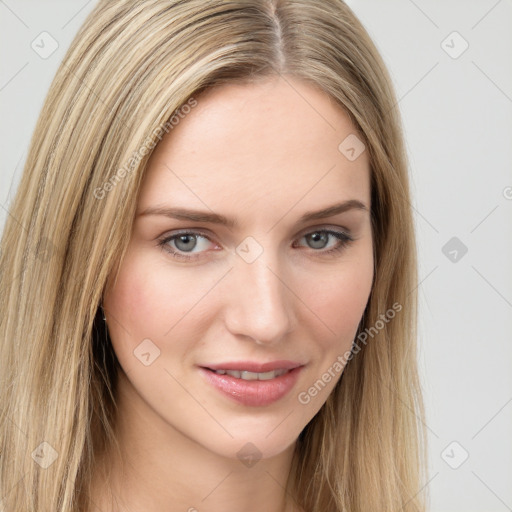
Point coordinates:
pixel 259 303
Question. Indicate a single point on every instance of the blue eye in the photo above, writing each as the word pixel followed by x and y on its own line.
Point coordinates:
pixel 321 237
pixel 181 244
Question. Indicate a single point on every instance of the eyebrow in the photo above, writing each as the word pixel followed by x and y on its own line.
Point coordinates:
pixel 215 218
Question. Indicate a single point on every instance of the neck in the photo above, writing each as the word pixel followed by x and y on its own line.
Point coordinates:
pixel 161 469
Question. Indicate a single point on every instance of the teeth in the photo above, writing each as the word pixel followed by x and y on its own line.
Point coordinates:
pixel 245 375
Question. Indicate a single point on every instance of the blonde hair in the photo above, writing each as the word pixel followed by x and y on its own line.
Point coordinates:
pixel 131 67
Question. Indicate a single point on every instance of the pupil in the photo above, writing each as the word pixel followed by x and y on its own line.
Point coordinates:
pixel 319 238
pixel 185 239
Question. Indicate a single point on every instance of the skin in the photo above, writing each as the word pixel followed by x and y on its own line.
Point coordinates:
pixel 262 154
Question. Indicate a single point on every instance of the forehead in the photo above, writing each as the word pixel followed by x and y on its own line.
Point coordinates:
pixel 257 147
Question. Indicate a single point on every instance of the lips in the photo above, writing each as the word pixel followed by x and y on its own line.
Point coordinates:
pixel 247 375
pixel 253 384
pixel 252 366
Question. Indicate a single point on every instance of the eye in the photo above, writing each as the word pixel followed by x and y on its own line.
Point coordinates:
pixel 182 245
pixel 184 242
pixel 320 238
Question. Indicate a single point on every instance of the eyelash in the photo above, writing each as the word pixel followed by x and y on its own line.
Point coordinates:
pixel 343 238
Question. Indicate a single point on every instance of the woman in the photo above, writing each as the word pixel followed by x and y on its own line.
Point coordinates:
pixel 208 275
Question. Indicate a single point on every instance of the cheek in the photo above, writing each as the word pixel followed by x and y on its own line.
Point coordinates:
pixel 150 300
pixel 147 299
pixel 139 306
pixel 340 298
pixel 133 303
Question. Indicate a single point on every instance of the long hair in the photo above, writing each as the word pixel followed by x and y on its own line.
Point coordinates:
pixel 130 71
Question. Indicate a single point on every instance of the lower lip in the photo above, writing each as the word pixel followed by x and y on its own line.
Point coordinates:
pixel 253 392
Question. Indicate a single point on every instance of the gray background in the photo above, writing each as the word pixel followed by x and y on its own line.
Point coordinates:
pixel 456 107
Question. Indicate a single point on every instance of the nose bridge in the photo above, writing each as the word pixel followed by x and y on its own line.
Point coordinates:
pixel 259 303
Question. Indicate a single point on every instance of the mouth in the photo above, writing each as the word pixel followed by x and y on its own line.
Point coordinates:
pixel 253 384
pixel 247 375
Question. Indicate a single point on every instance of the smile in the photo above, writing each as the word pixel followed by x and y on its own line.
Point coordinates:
pixel 247 375
pixel 259 386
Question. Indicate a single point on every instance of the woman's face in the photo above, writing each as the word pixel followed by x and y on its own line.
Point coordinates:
pixel 272 297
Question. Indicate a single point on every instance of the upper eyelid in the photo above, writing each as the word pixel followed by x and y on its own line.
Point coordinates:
pixel 306 231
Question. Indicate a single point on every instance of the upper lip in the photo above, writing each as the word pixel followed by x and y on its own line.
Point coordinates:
pixel 252 366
